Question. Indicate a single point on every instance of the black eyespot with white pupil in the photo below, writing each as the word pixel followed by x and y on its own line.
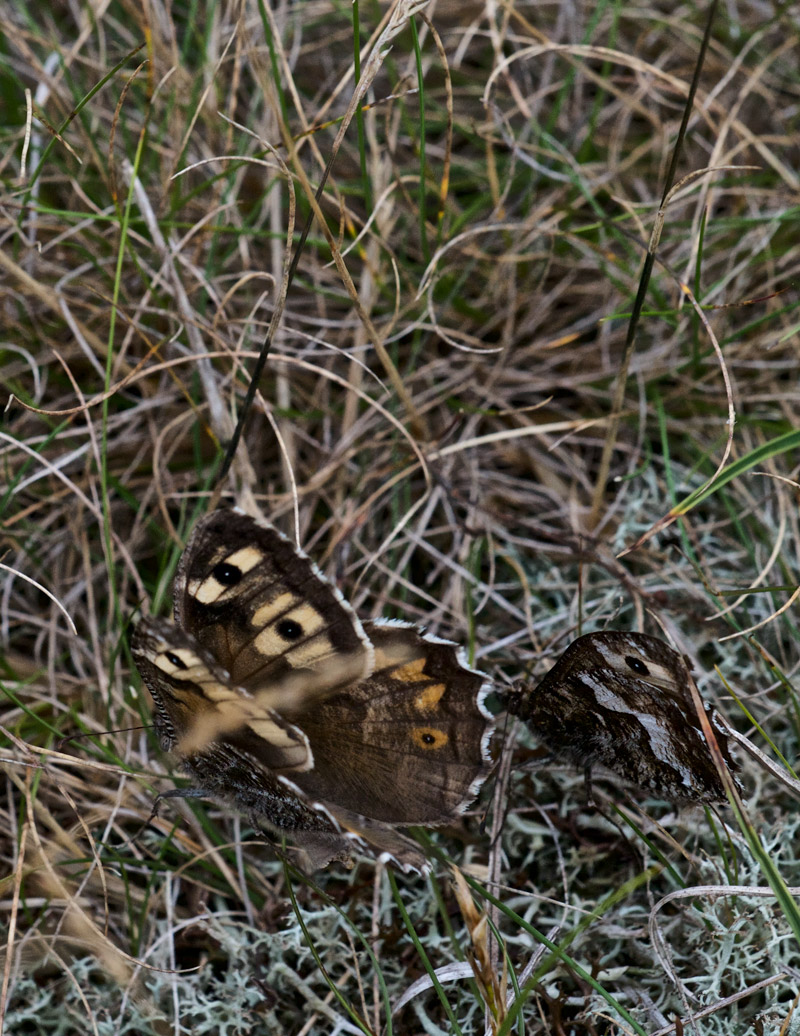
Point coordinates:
pixel 428 739
pixel 289 629
pixel 175 660
pixel 226 574
pixel 637 665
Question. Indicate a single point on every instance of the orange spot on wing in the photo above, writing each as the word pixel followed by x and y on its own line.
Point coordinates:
pixel 429 738
pixel 429 698
pixel 411 672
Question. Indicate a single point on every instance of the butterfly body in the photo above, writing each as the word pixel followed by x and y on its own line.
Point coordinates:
pixel 622 700
pixel 276 698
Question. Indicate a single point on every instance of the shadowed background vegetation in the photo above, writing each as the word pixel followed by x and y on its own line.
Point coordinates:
pixel 431 425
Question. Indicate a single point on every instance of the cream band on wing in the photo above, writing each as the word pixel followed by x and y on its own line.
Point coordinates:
pixel 208 590
pixel 238 713
pixel 300 624
pixel 191 673
pixel 312 652
pixel 276 608
pixel 186 660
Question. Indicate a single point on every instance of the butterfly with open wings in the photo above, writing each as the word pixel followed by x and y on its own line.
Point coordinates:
pixel 276 698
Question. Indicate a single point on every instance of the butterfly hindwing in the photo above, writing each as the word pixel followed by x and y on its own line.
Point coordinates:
pixel 408 745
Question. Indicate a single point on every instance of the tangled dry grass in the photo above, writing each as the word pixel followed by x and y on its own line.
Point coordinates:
pixel 433 424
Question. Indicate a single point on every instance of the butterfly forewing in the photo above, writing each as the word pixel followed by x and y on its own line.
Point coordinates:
pixel 196 704
pixel 623 700
pixel 262 607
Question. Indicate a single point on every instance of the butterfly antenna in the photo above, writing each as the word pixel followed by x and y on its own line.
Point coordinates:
pixel 62 743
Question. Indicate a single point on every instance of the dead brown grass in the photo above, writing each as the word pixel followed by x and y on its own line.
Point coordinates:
pixel 434 444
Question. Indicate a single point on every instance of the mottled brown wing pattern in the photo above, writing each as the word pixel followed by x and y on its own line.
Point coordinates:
pixel 408 745
pixel 622 700
pixel 262 607
pixel 238 756
pixel 196 703
pixel 266 689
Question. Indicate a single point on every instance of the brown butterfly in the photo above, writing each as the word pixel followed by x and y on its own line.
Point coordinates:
pixel 275 698
pixel 623 700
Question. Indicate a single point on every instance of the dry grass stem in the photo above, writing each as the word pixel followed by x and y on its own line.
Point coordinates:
pixel 438 424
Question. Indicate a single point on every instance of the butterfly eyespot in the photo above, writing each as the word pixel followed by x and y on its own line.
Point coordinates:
pixel 637 665
pixel 227 574
pixel 289 629
pixel 429 737
pixel 175 660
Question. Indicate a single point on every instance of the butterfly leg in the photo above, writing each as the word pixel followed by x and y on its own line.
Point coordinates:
pixel 174 793
pixel 587 777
